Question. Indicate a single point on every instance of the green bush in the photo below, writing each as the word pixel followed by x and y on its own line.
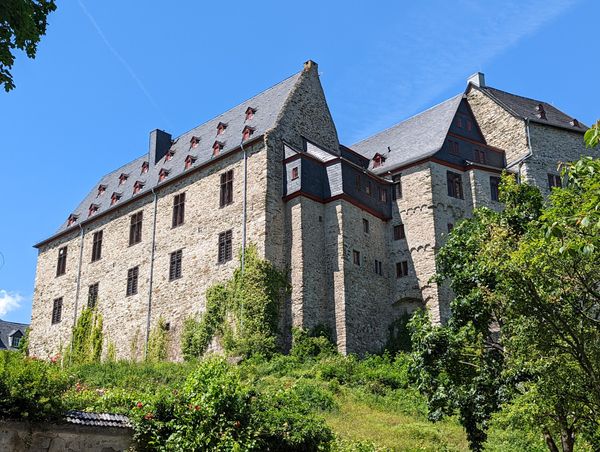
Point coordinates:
pixel 30 389
pixel 307 345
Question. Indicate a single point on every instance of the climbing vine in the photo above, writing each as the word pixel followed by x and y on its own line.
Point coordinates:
pixel 86 339
pixel 158 342
pixel 243 311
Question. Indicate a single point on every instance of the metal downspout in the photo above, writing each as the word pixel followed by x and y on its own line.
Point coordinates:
pixel 150 280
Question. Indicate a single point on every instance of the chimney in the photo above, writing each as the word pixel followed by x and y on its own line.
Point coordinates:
pixel 477 79
pixel 160 143
pixel 309 65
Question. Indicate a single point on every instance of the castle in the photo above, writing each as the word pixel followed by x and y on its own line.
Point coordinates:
pixel 357 227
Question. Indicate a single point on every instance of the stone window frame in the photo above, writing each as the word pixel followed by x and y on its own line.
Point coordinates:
pixel 397 187
pixel 378 267
pixel 93 290
pixel 61 264
pixel 135 228
pixel 57 310
pixel 401 269
pixel 366 226
pixel 494 188
pixel 132 281
pixel 225 246
pixel 97 245
pixel 175 264
pixel 178 210
pixel 356 257
pixel 455 186
pixel 399 232
pixel 226 189
pixel 554 180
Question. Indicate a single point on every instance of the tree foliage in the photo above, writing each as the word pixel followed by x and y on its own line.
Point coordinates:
pixel 243 312
pixel 525 328
pixel 22 24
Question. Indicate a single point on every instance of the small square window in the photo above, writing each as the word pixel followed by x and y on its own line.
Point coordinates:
pixel 401 269
pixel 357 182
pixel 397 187
pixel 132 281
pixel 61 265
pixel 479 156
pixel 365 226
pixel 294 173
pixel 57 310
pixel 225 246
pixel 175 265
pixel 454 181
pixel 450 226
pixel 382 194
pixel 399 232
pixel 554 180
pixel 368 188
pixel 454 147
pixel 494 188
pixel 356 257
pixel 92 296
pixel 378 267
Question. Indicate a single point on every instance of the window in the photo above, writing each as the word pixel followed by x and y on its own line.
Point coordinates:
pixel 226 197
pixel 469 125
pixel 221 128
pixel 115 198
pixel 162 175
pixel 455 188
pixel 169 155
pixel 382 194
pixel 97 246
pixel 194 142
pixel 122 178
pixel 57 310
pixel 479 156
pixel 356 257
pixel 135 228
pixel 459 122
pixel 250 113
pixel 92 296
pixel 15 340
pixel 401 269
pixel 137 187
pixel 225 249
pixel 145 167
pixel 101 190
pixel 378 268
pixel 247 133
pixel 450 226
pixel 368 190
pixel 494 184
pixel 365 226
pixel 93 209
pixel 132 280
pixel 357 182
pixel 378 160
pixel 189 161
pixel 178 209
pixel 175 265
pixel 294 173
pixel 397 188
pixel 72 219
pixel 554 180
pixel 61 265
pixel 454 147
pixel 399 232
pixel 217 148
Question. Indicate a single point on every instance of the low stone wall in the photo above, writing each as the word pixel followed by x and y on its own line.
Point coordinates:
pixel 45 437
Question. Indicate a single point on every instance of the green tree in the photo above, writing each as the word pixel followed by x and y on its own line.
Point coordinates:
pixel 524 332
pixel 22 24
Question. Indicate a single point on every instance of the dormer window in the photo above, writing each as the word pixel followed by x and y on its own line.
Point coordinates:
pixel 574 123
pixel 162 175
pixel 194 142
pixel 217 146
pixel 221 128
pixel 72 219
pixel 93 209
pixel 122 178
pixel 145 167
pixel 137 187
pixel 169 155
pixel 115 198
pixel 250 113
pixel 479 156
pixel 378 160
pixel 247 133
pixel 101 190
pixel 189 161
pixel 541 113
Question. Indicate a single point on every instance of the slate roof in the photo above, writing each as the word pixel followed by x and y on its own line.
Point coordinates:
pixel 97 419
pixel 267 104
pixel 411 140
pixel 525 108
pixel 7 329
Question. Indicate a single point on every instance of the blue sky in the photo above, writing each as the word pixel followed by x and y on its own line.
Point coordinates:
pixel 108 72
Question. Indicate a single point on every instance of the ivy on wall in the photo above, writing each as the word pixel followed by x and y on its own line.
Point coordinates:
pixel 243 311
pixel 86 339
pixel 158 342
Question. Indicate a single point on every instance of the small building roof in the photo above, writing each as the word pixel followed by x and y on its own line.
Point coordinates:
pixel 8 329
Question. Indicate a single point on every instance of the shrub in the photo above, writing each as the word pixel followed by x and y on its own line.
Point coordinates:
pixel 158 342
pixel 30 389
pixel 306 345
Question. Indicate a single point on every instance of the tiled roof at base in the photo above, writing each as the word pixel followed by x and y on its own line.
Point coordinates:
pixel 98 419
pixel 267 104
pixel 411 140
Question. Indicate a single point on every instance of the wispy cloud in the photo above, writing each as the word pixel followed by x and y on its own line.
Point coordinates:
pixel 432 50
pixel 124 62
pixel 9 301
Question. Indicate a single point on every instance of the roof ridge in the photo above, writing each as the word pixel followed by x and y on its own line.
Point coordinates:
pixel 409 118
pixel 518 95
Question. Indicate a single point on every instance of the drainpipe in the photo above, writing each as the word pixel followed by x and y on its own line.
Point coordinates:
pixel 525 157
pixel 155 199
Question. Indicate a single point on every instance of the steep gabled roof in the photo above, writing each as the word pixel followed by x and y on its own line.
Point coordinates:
pixel 527 108
pixel 411 140
pixel 7 329
pixel 267 106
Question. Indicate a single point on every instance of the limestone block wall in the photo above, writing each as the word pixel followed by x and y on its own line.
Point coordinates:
pixel 126 317
pixel 481 191
pixel 500 129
